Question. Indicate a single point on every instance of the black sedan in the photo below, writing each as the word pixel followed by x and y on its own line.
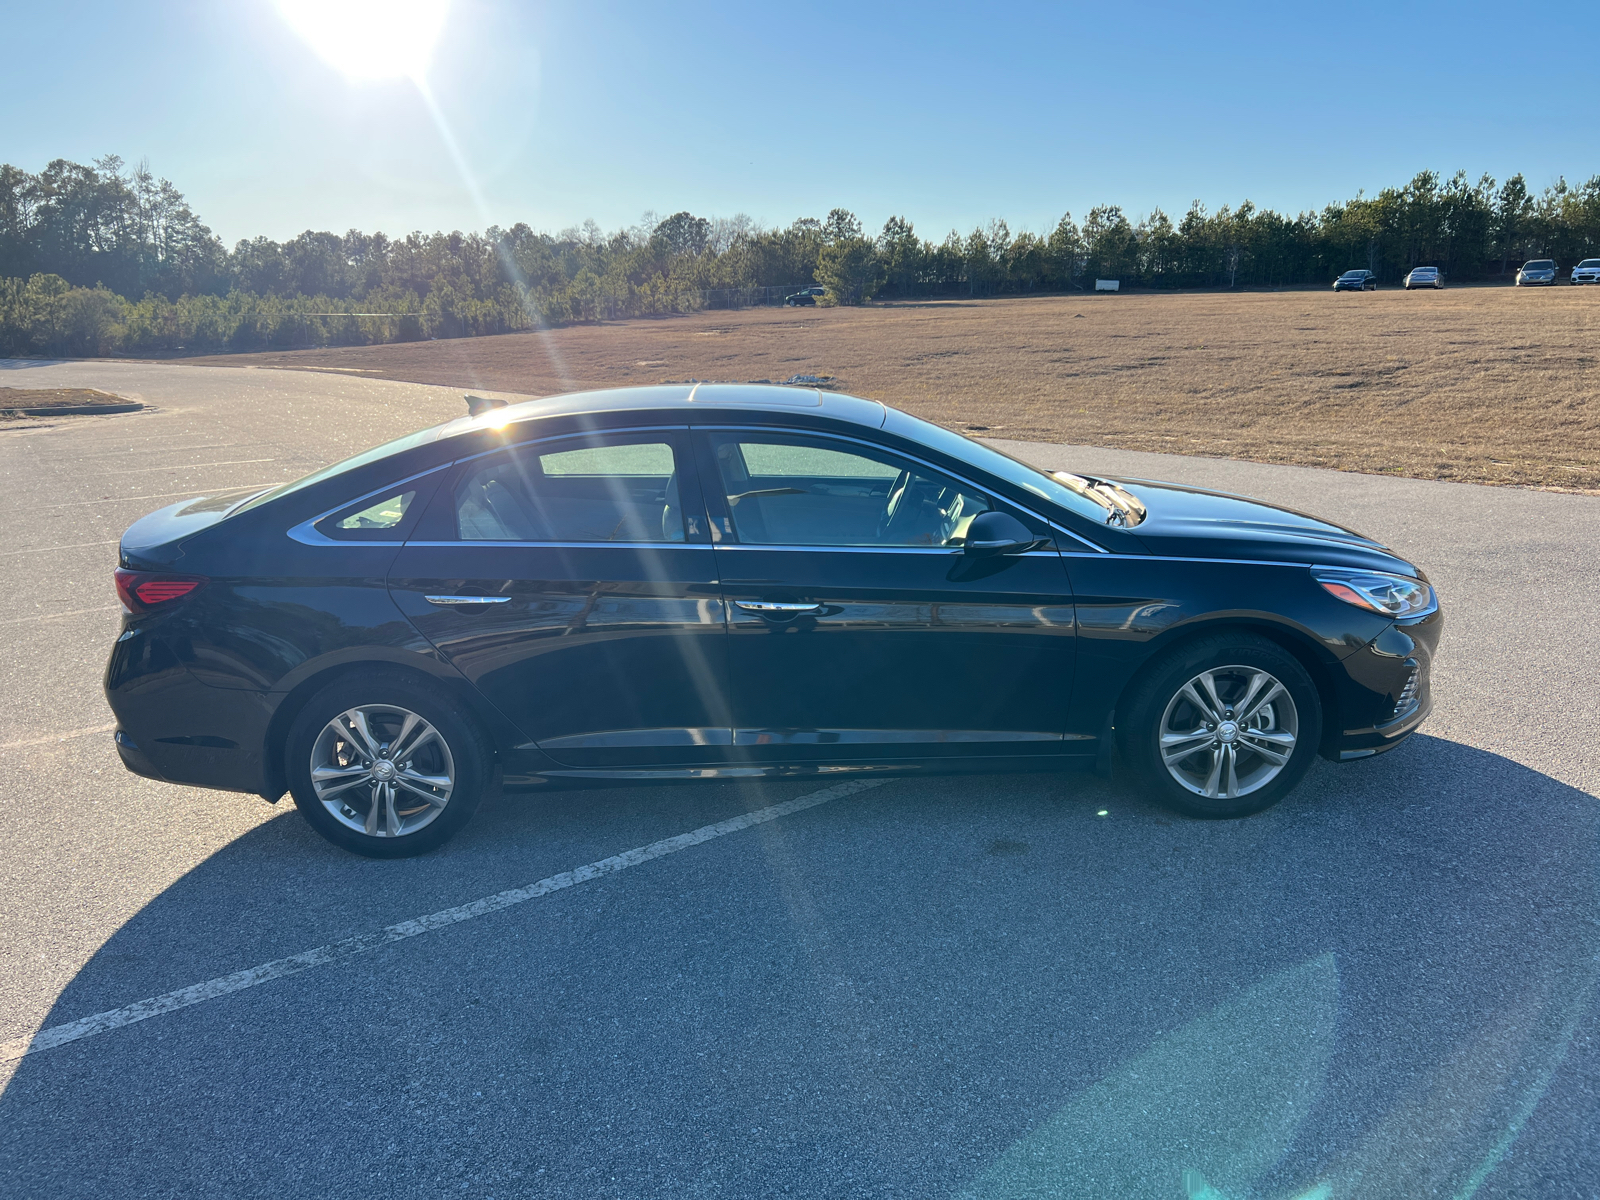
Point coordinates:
pixel 1356 281
pixel 718 580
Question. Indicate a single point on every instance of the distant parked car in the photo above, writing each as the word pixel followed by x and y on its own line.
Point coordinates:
pixel 1356 281
pixel 1427 277
pixel 1537 271
pixel 1588 271
pixel 804 297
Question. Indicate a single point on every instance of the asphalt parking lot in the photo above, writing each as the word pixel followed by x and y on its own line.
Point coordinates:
pixel 989 987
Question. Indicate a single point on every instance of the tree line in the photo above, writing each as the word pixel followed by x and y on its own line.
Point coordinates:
pixel 103 258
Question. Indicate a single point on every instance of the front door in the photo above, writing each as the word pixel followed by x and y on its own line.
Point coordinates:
pixel 857 628
pixel 573 582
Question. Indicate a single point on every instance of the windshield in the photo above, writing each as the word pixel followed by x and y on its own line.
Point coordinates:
pixel 1353 275
pixel 1541 264
pixel 1590 262
pixel 1096 500
pixel 420 438
pixel 1425 270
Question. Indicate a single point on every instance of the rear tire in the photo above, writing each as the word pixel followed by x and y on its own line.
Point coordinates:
pixel 1230 747
pixel 384 766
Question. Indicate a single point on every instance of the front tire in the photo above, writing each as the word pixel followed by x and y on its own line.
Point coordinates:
pixel 382 765
pixel 1222 727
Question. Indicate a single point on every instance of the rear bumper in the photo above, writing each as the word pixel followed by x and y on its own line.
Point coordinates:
pixel 174 728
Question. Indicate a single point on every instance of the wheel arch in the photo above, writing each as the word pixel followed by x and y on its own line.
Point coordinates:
pixel 498 732
pixel 1304 649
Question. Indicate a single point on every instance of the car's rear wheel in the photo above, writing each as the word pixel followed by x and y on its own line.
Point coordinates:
pixel 1223 727
pixel 382 766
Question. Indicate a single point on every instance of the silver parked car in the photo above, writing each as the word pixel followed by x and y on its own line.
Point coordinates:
pixel 1540 271
pixel 1588 271
pixel 1427 277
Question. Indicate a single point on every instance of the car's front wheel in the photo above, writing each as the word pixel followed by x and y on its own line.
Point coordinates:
pixel 383 766
pixel 1223 727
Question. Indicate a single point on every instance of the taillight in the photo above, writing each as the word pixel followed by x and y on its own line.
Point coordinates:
pixel 141 591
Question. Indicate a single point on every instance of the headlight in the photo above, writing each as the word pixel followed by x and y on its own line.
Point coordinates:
pixel 1378 591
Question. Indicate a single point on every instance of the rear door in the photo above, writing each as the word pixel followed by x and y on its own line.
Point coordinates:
pixel 573 582
pixel 857 630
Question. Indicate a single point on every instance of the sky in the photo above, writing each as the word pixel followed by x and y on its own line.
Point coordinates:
pixel 947 115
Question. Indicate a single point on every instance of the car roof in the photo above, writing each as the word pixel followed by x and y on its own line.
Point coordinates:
pixel 683 398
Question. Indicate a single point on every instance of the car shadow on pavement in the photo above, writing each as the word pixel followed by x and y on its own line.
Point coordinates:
pixel 976 986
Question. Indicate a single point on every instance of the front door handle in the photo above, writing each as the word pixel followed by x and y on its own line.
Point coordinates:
pixel 450 600
pixel 777 608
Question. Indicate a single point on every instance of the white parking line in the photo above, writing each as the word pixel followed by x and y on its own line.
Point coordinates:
pixel 232 462
pixel 221 487
pixel 59 737
pixel 70 546
pixel 76 612
pixel 224 985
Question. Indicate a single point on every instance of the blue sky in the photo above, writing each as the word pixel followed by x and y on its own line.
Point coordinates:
pixel 949 115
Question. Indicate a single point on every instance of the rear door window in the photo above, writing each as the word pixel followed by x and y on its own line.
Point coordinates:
pixel 605 490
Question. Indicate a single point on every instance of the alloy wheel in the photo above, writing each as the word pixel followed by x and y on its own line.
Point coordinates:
pixel 1228 732
pixel 382 770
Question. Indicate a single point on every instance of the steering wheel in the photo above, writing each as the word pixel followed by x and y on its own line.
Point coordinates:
pixel 896 494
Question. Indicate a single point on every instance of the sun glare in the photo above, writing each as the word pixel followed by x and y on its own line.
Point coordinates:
pixel 370 39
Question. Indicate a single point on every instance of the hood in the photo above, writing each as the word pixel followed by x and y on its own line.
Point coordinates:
pixel 154 540
pixel 1187 522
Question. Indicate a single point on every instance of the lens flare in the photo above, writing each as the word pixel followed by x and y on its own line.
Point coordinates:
pixel 370 39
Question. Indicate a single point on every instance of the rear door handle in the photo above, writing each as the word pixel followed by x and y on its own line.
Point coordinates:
pixel 449 600
pixel 776 608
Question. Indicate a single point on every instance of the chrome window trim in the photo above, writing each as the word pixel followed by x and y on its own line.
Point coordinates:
pixel 307 533
pixel 563 545
pixel 839 437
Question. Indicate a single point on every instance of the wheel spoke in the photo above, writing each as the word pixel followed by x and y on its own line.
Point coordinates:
pixel 1230 773
pixel 1271 694
pixel 352 726
pixel 333 789
pixel 1194 698
pixel 1257 682
pixel 1216 771
pixel 1176 746
pixel 411 781
pixel 388 809
pixel 1209 680
pixel 403 749
pixel 1273 745
pixel 372 812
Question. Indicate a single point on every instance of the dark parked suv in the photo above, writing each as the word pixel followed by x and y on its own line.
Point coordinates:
pixel 712 581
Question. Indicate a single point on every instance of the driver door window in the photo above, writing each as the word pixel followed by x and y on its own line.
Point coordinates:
pixel 798 491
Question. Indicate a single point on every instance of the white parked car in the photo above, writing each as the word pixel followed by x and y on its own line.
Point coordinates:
pixel 1427 277
pixel 1588 271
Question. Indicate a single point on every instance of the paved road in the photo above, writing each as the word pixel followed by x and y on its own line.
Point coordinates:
pixel 990 987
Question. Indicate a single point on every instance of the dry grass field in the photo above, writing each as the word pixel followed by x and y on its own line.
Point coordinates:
pixel 1486 385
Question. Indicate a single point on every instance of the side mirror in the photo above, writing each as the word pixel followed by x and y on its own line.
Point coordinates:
pixel 996 533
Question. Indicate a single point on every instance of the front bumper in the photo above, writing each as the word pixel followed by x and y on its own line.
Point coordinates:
pixel 1387 690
